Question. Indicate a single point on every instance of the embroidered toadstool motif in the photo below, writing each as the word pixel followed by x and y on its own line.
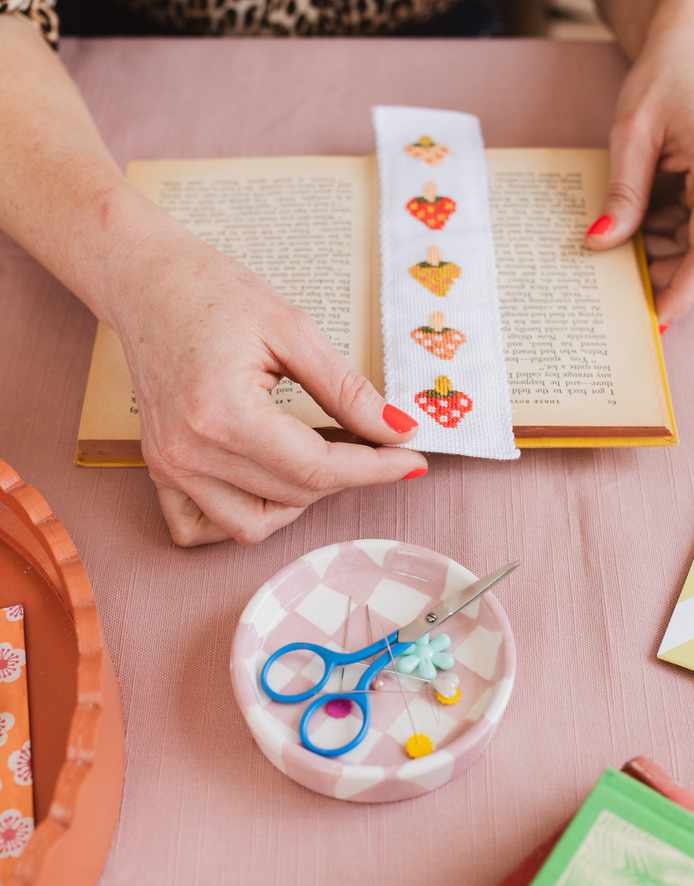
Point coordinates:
pixel 435 274
pixel 444 405
pixel 426 149
pixel 431 209
pixel 440 340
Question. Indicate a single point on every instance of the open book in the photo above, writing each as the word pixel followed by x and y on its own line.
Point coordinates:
pixel 583 355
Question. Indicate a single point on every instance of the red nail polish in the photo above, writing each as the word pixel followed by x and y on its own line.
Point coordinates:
pixel 397 419
pixel 600 226
pixel 663 328
pixel 418 472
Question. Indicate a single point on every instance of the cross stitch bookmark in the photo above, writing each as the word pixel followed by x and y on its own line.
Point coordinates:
pixel 436 241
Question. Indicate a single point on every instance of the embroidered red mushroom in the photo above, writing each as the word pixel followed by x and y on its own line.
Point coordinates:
pixel 431 209
pixel 443 404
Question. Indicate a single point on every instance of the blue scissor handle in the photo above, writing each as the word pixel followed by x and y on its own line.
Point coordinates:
pixel 328 657
pixel 331 660
pixel 359 698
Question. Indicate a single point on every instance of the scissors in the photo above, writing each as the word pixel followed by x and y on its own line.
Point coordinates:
pixel 389 647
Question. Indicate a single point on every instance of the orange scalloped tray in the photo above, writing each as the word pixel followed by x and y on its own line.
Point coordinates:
pixel 74 703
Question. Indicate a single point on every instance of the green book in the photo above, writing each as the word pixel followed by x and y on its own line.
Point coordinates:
pixel 625 833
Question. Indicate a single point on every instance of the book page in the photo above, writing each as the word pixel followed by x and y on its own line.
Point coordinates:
pixel 299 222
pixel 109 412
pixel 579 342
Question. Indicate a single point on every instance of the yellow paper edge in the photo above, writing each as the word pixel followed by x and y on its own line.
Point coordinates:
pixel 88 463
pixel 616 442
pixel 682 655
pixel 688 587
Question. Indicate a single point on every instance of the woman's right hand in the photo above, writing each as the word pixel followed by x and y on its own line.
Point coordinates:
pixel 654 131
pixel 206 340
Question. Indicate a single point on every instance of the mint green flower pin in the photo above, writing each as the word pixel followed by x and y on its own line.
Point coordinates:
pixel 425 656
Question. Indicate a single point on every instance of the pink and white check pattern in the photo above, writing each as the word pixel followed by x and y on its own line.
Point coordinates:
pixel 307 601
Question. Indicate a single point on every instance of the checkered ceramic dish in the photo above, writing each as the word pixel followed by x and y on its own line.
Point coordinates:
pixel 308 601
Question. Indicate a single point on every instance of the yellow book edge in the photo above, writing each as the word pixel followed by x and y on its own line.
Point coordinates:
pixel 616 442
pixel 537 442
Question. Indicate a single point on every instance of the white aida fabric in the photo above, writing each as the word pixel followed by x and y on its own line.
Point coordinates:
pixel 443 355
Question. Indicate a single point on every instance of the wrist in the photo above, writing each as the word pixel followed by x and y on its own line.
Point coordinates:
pixel 637 24
pixel 149 256
pixel 670 18
pixel 116 221
pixel 131 257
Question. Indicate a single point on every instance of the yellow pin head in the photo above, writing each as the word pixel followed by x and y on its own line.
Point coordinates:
pixel 419 745
pixel 448 699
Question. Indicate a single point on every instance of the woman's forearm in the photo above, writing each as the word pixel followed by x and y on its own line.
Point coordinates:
pixel 62 196
pixel 634 20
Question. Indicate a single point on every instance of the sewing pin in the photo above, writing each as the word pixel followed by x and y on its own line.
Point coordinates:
pixel 394 673
pixel 379 682
pixel 418 744
pixel 446 687
pixel 341 707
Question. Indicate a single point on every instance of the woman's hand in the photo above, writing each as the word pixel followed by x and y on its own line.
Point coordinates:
pixel 654 132
pixel 206 340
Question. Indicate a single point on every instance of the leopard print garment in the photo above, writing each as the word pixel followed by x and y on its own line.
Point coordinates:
pixel 41 12
pixel 254 17
pixel 284 17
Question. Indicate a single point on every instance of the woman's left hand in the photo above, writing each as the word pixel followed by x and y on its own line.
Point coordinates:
pixel 653 134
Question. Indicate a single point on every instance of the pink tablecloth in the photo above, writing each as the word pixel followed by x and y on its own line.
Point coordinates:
pixel 605 536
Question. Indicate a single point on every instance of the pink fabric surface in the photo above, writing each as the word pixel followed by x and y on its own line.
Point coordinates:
pixel 605 536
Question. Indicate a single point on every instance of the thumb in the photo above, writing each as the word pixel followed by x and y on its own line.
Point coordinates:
pixel 346 395
pixel 634 152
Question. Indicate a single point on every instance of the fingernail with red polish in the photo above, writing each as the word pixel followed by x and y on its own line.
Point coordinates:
pixel 663 328
pixel 418 472
pixel 397 419
pixel 600 226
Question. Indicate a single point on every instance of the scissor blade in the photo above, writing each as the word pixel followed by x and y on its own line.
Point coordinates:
pixel 450 605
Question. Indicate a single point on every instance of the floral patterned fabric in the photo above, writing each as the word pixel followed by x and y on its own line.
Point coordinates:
pixel 16 779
